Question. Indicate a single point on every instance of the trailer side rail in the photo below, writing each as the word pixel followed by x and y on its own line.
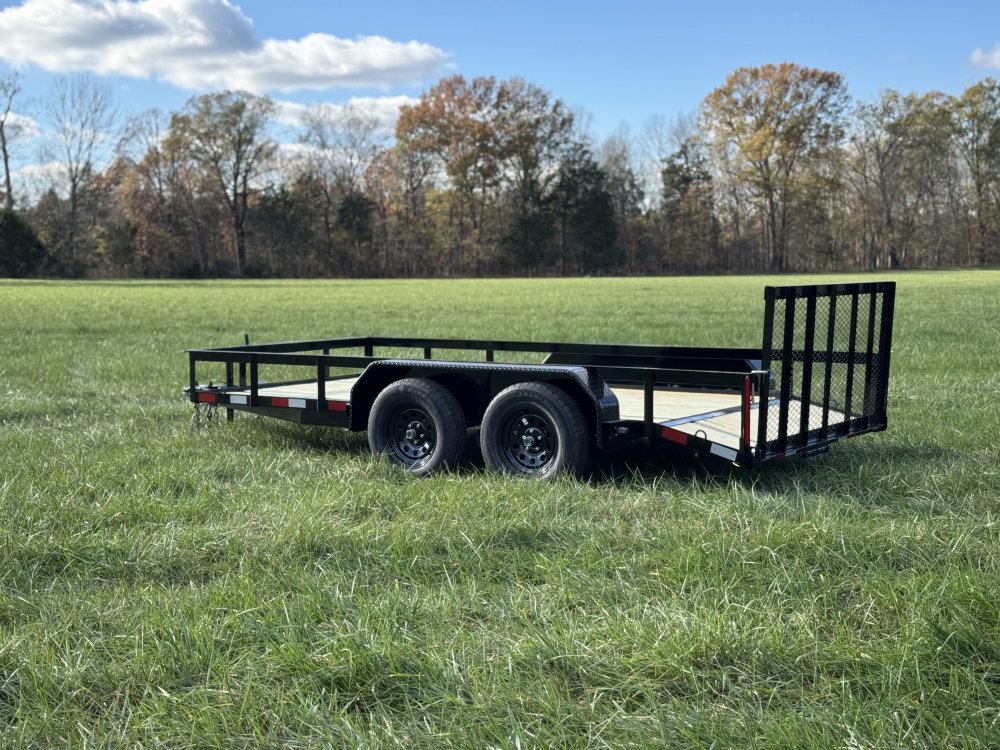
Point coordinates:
pixel 645 370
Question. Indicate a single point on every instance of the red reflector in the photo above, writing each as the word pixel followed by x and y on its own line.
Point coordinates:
pixel 207 398
pixel 676 436
pixel 279 402
pixel 336 405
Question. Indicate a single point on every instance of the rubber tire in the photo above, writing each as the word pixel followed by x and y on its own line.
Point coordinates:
pixel 573 441
pixel 438 404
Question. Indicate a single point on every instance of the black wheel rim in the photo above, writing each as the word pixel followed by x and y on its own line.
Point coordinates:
pixel 528 441
pixel 411 435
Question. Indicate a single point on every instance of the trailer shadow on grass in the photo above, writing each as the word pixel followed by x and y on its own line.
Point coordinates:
pixel 641 462
pixel 309 440
pixel 866 472
pixel 633 461
pixel 873 460
pixel 844 470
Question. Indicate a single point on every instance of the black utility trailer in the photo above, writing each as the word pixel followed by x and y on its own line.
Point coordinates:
pixel 821 374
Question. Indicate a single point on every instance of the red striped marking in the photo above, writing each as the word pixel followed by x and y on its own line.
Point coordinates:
pixel 207 398
pixel 336 405
pixel 279 402
pixel 676 436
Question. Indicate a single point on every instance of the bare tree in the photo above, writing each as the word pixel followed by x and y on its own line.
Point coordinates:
pixel 659 139
pixel 10 87
pixel 82 115
pixel 616 156
pixel 976 119
pixel 345 141
pixel 877 174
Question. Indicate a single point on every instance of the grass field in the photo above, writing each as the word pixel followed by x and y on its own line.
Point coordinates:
pixel 259 584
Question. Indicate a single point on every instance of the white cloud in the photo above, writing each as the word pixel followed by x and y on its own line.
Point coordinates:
pixel 21 127
pixel 32 180
pixel 50 171
pixel 290 113
pixel 385 109
pixel 201 45
pixel 987 59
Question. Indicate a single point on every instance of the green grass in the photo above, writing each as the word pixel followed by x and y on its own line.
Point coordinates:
pixel 258 584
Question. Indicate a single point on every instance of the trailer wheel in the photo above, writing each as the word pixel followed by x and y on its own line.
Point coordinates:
pixel 418 425
pixel 535 430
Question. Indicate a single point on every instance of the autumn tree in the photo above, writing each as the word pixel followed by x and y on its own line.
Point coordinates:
pixel 453 124
pixel 533 136
pixel 385 189
pixel 343 141
pixel 933 182
pixel 489 141
pixel 225 134
pixel 282 236
pixel 532 132
pixel 774 122
pixel 902 169
pixel 151 197
pixel 411 172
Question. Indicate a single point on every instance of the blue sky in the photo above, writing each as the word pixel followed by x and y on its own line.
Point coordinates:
pixel 623 61
pixel 620 62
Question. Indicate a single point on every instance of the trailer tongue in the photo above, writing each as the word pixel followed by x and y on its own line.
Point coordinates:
pixel 821 374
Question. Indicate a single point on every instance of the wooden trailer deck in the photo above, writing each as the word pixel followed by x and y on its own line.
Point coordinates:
pixel 714 416
pixel 337 389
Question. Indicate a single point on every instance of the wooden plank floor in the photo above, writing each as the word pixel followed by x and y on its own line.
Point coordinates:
pixel 714 416
pixel 338 389
pixel 720 412
pixel 673 404
pixel 668 406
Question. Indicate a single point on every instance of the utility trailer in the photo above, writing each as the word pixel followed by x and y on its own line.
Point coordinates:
pixel 821 374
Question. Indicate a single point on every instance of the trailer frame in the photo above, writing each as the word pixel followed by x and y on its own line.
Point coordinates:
pixel 814 380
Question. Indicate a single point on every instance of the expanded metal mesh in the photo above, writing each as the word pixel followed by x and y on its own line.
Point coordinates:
pixel 827 352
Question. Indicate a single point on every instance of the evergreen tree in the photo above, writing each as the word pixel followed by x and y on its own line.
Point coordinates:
pixel 21 252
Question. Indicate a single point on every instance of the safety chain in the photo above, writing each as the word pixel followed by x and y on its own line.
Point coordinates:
pixel 208 412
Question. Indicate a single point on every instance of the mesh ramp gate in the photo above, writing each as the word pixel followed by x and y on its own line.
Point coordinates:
pixel 826 349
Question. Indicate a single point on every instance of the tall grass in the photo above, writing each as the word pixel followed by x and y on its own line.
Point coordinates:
pixel 262 584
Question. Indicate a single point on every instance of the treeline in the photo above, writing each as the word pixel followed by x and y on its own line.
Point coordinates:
pixel 779 171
